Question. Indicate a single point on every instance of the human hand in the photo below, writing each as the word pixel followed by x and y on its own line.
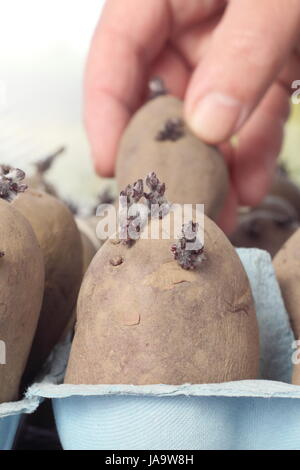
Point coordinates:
pixel 232 61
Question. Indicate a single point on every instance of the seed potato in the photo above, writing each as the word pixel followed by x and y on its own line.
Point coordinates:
pixel 60 241
pixel 158 140
pixel 143 319
pixel 21 294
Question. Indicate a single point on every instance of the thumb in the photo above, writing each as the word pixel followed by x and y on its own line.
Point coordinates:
pixel 247 50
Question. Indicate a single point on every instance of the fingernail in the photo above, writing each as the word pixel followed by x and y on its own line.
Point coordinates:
pixel 216 117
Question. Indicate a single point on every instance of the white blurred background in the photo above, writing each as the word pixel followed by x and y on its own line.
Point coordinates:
pixel 43 46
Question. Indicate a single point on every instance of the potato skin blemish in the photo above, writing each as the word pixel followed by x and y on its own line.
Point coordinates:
pixel 116 261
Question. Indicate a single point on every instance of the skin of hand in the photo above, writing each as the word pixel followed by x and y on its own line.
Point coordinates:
pixel 233 63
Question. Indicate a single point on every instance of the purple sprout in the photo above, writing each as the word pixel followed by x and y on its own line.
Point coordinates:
pixel 156 200
pixel 131 224
pixel 11 182
pixel 189 251
pixel 156 88
pixel 133 214
pixel 46 163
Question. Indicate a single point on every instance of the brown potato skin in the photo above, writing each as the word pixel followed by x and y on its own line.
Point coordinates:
pixel 88 227
pixel 89 252
pixel 287 269
pixel 296 375
pixel 148 321
pixel 60 241
pixel 21 293
pixel 193 171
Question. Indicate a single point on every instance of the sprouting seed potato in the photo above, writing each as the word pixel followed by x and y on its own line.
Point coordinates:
pixel 143 319
pixel 21 294
pixel 60 241
pixel 157 139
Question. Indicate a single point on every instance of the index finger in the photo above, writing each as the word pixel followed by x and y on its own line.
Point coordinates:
pixel 127 39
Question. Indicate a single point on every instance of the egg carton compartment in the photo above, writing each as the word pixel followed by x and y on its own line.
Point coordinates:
pixel 252 414
pixel 12 413
pixel 237 415
pixel 10 417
